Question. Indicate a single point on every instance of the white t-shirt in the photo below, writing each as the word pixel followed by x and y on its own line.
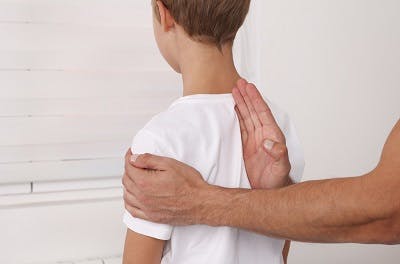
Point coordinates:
pixel 203 131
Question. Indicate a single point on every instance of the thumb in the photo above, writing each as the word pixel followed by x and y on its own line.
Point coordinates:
pixel 148 161
pixel 277 150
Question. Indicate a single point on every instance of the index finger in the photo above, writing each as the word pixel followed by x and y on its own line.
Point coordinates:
pixel 243 109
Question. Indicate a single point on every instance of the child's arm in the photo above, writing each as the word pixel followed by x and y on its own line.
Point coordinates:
pixel 144 243
pixel 285 251
pixel 140 249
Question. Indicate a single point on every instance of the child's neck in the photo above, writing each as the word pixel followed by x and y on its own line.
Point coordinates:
pixel 206 70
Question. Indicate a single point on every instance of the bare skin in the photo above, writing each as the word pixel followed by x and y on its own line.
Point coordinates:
pixel 147 250
pixel 363 209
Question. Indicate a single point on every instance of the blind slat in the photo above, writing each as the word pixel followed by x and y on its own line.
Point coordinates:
pixel 63 170
pixel 94 12
pixel 60 152
pixel 53 130
pixel 62 38
pixel 62 186
pixel 64 84
pixel 146 105
pixel 21 188
pixel 134 60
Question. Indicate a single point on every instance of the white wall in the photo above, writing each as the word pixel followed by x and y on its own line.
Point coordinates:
pixel 335 67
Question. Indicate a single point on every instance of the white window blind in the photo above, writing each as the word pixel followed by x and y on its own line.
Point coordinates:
pixel 78 78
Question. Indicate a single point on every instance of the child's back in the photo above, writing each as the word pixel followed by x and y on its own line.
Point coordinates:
pixel 202 130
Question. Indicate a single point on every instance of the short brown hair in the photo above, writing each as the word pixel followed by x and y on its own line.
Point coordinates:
pixel 213 21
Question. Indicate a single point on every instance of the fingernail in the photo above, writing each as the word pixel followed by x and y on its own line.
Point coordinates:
pixel 268 144
pixel 134 157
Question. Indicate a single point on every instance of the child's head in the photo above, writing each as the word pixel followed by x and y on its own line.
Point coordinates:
pixel 209 22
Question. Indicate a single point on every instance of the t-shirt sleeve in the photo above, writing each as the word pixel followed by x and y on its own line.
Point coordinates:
pixel 146 142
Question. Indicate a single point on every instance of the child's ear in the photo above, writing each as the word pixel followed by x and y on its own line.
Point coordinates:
pixel 166 20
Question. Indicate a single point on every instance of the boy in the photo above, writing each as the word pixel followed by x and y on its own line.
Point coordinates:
pixel 201 129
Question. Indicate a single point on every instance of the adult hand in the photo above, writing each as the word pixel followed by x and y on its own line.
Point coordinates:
pixel 163 190
pixel 264 145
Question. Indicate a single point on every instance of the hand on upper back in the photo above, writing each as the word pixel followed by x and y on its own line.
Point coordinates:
pixel 161 189
pixel 264 145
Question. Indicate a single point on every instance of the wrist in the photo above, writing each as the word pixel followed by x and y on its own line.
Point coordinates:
pixel 208 204
pixel 289 181
pixel 285 182
pixel 221 206
pixel 267 184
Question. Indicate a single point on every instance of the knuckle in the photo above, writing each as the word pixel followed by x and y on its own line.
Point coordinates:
pixel 141 198
pixel 146 202
pixel 126 197
pixel 145 157
pixel 133 212
pixel 141 183
pixel 282 150
pixel 128 185
pixel 127 172
pixel 126 165
pixel 127 154
pixel 124 180
pixel 285 150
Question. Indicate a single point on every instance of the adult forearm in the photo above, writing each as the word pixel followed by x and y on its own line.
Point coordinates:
pixel 339 210
pixel 360 209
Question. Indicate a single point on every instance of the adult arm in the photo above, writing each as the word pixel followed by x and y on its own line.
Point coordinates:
pixel 140 249
pixel 361 209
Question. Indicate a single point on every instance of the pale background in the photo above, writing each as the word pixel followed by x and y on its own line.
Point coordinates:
pixel 335 67
pixel 76 78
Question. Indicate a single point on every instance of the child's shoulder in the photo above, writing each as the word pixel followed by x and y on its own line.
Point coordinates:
pixel 168 120
pixel 152 137
pixel 167 130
